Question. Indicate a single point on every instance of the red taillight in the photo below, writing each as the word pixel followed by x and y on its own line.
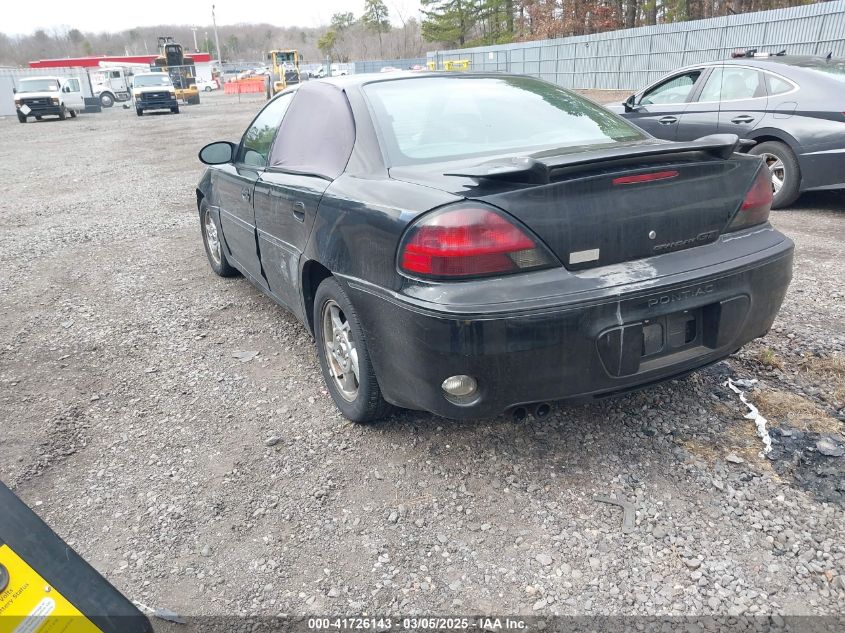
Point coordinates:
pixel 469 242
pixel 757 204
pixel 656 175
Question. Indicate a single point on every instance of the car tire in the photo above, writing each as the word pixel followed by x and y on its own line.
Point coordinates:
pixel 106 100
pixel 207 89
pixel 357 396
pixel 213 244
pixel 72 114
pixel 175 110
pixel 63 113
pixel 21 117
pixel 139 111
pixel 781 161
pixel 38 117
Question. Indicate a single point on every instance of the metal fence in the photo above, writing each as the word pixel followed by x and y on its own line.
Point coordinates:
pixel 630 59
pixel 9 79
pixel 374 66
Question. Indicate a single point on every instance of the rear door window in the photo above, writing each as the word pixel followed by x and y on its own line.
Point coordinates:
pixel 732 84
pixel 318 133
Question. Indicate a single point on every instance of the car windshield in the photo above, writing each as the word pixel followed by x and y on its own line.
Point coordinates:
pixel 440 118
pixel 38 85
pixel 159 79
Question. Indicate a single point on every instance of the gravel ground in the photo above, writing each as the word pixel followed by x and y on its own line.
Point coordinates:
pixel 207 485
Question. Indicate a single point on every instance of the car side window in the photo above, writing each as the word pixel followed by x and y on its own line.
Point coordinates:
pixel 318 133
pixel 674 90
pixel 777 86
pixel 255 146
pixel 73 85
pixel 732 84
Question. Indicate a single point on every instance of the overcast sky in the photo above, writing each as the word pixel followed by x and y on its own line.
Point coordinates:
pixel 20 17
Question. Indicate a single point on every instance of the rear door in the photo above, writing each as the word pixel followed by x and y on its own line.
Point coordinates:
pixel 660 108
pixel 312 148
pixel 234 185
pixel 742 98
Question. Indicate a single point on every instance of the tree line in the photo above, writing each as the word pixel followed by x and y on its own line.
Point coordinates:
pixel 383 33
pixel 459 23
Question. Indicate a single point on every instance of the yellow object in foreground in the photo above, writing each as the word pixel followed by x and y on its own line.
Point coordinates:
pixel 28 604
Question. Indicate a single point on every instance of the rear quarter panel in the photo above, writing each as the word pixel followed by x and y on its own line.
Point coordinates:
pixel 359 224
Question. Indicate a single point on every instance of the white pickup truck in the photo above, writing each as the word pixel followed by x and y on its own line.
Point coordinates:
pixel 46 96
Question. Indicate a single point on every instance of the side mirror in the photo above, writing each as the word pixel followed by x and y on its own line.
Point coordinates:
pixel 217 153
pixel 14 91
pixel 631 104
pixel 66 89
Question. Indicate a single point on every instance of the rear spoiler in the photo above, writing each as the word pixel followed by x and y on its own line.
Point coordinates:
pixel 538 170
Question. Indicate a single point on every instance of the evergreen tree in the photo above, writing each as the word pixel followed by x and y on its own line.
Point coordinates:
pixel 376 19
pixel 449 21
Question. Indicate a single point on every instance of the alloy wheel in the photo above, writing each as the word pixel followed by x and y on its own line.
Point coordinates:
pixel 340 351
pixel 212 239
pixel 778 169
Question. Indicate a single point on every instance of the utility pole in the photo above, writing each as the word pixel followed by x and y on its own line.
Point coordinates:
pixel 216 38
pixel 194 30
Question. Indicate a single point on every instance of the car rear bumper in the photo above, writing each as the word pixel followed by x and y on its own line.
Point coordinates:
pixel 575 348
pixel 823 169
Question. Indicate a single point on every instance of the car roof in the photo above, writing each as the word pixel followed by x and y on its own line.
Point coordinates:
pixel 805 61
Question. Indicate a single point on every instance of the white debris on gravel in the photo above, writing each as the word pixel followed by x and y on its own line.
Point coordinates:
pixel 753 414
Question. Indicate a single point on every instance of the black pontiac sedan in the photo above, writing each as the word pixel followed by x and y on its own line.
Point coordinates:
pixel 475 244
pixel 793 107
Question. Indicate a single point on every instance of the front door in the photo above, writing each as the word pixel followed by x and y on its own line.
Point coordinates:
pixel 235 187
pixel 660 108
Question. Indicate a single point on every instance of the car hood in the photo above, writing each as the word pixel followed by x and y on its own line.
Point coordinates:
pixel 38 95
pixel 154 89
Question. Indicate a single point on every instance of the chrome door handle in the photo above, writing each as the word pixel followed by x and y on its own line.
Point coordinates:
pixel 668 120
pixel 299 211
pixel 743 118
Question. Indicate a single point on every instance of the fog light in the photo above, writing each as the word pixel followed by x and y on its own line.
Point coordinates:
pixel 460 386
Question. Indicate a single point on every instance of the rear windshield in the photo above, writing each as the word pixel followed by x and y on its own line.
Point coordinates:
pixel 159 79
pixel 833 69
pixel 38 85
pixel 440 118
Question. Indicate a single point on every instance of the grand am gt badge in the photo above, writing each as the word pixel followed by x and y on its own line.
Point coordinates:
pixel 680 295
pixel 701 238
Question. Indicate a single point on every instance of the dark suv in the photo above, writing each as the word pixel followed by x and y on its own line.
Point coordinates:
pixel 792 107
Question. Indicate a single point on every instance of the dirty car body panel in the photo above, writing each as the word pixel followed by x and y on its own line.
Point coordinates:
pixel 637 267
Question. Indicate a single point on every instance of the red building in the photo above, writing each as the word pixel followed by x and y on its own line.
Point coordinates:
pixel 117 60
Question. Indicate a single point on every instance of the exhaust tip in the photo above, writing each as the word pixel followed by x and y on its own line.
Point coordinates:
pixel 519 414
pixel 542 410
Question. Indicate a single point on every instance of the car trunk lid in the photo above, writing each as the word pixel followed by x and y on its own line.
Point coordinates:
pixel 609 205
